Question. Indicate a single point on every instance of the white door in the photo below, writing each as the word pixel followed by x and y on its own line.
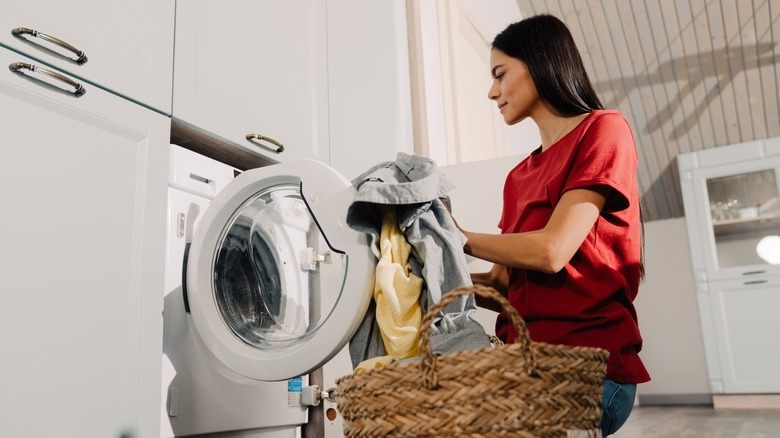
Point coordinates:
pixel 126 46
pixel 81 265
pixel 744 312
pixel 276 282
pixel 255 68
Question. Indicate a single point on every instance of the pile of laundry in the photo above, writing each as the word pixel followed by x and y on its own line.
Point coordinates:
pixel 403 207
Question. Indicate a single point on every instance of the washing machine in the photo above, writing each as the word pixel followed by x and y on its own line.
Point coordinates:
pixel 265 283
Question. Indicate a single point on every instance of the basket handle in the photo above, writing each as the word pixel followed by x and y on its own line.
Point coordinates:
pixel 428 363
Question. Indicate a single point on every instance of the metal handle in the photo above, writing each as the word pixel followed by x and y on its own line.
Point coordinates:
pixel 756 282
pixel 753 272
pixel 252 137
pixel 17 66
pixel 81 57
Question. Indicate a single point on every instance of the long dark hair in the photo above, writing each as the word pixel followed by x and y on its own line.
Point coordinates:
pixel 546 46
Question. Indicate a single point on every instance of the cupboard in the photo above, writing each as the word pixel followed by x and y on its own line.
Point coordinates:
pixel 85 132
pixel 296 79
pixel 81 270
pixel 85 152
pixel 731 197
pixel 122 46
pixel 254 73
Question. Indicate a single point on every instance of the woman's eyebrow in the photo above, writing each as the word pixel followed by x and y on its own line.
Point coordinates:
pixel 493 71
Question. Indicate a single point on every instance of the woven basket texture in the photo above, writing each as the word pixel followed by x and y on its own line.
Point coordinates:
pixel 525 389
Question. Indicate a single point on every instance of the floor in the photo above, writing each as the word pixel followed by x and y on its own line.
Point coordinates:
pixel 700 421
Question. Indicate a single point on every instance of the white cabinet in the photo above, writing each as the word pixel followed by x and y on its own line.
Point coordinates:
pixel 746 328
pixel 369 84
pixel 327 80
pixel 731 196
pixel 128 45
pixel 255 68
pixel 81 266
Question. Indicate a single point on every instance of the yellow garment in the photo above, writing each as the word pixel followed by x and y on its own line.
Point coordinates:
pixel 396 290
pixel 374 362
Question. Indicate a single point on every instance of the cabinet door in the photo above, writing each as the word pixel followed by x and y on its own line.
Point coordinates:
pixel 255 68
pixel 744 313
pixel 128 44
pixel 81 266
pixel 369 90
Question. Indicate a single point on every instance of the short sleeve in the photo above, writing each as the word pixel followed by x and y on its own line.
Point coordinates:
pixel 606 157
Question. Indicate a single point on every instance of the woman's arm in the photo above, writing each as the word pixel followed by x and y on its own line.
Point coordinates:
pixel 549 249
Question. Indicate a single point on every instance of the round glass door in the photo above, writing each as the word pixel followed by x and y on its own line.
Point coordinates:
pixel 276 281
pixel 259 287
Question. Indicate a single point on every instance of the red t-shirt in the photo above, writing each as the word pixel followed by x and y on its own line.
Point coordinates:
pixel 589 302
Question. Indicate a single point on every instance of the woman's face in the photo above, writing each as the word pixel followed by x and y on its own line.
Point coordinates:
pixel 512 87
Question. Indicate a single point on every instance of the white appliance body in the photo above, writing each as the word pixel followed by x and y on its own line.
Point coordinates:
pixel 264 283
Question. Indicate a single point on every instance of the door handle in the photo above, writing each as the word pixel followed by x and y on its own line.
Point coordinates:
pixel 256 138
pixel 79 91
pixel 81 57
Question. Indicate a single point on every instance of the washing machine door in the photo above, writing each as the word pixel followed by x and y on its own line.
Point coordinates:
pixel 276 282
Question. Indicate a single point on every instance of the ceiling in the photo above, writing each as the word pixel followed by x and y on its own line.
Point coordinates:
pixel 687 75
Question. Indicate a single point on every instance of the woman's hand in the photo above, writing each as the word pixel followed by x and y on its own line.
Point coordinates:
pixel 498 279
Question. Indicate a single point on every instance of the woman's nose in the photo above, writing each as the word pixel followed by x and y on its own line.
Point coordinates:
pixel 493 92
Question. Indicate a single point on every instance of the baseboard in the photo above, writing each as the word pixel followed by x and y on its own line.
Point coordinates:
pixel 746 401
pixel 675 399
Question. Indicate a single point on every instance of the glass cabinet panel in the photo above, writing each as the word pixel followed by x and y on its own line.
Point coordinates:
pixel 745 211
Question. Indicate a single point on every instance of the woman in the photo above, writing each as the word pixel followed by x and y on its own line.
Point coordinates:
pixel 569 255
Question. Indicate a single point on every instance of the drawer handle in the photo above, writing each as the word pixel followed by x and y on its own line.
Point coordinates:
pixel 81 57
pixel 755 282
pixel 255 139
pixel 753 272
pixel 18 66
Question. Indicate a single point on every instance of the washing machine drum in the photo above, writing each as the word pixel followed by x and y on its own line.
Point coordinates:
pixel 275 281
pixel 247 286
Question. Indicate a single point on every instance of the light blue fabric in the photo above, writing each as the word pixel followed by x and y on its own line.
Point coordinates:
pixel 416 187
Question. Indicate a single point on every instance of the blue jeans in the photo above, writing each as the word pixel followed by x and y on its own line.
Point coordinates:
pixel 617 400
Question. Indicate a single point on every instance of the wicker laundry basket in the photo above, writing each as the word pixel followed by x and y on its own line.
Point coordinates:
pixel 525 389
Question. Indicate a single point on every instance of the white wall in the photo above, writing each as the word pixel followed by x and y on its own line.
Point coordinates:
pixel 491 18
pixel 668 312
pixel 476 205
pixel 494 16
